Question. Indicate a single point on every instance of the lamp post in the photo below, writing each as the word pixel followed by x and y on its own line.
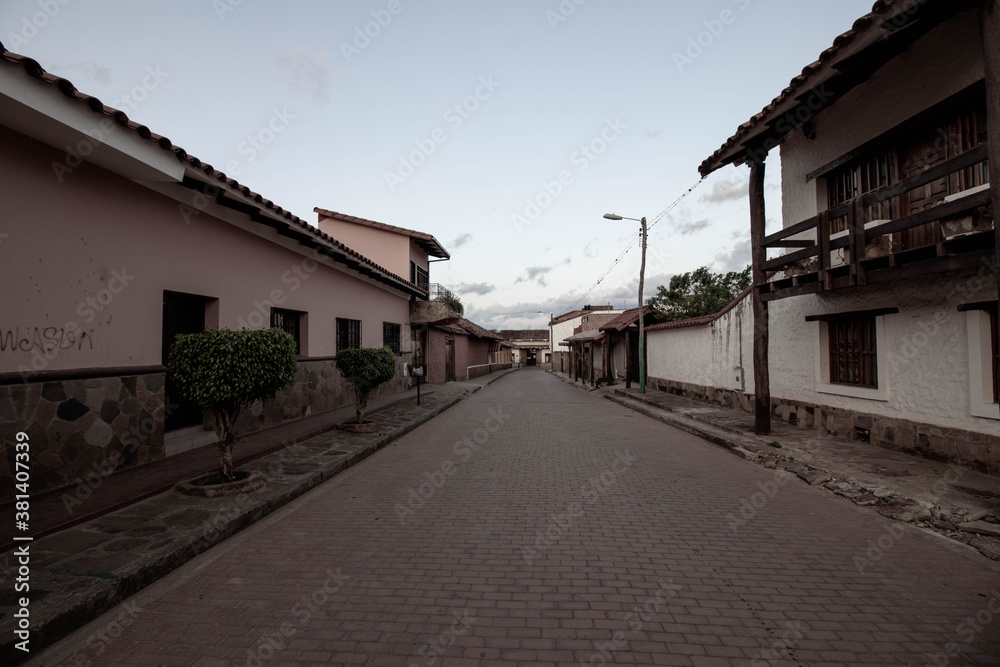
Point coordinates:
pixel 642 276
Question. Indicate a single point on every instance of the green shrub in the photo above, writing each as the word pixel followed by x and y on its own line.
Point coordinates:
pixel 225 370
pixel 366 369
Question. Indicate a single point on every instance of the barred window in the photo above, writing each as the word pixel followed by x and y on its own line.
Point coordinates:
pixel 853 353
pixel 287 320
pixel 348 334
pixel 392 336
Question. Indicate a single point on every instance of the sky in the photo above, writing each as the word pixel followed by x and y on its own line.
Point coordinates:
pixel 506 129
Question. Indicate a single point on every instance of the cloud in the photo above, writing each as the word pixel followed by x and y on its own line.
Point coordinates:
pixel 689 228
pixel 516 316
pixel 475 288
pixel 535 273
pixel 726 191
pixel 461 240
pixel 736 259
pixel 652 134
pixel 306 73
pixel 590 251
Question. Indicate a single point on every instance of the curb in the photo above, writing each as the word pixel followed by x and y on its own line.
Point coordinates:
pixel 93 600
pixel 716 436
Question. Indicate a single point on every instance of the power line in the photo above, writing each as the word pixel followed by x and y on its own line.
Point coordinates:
pixel 633 241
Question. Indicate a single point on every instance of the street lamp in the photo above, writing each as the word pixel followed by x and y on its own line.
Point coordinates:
pixel 552 347
pixel 642 275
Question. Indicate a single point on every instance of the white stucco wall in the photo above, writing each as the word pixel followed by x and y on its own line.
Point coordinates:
pixel 948 59
pixel 925 376
pixel 925 349
pixel 713 355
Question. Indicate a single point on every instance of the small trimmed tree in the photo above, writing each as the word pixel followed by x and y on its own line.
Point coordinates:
pixel 366 369
pixel 224 370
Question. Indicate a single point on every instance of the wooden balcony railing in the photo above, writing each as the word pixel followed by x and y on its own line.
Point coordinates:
pixel 872 251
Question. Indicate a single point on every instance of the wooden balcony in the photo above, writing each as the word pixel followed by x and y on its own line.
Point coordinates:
pixel 871 251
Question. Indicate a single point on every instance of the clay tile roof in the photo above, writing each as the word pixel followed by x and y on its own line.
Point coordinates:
pixel 305 233
pixel 583 336
pixel 626 319
pixel 864 31
pixel 424 240
pixel 704 319
pixel 525 334
pixel 475 330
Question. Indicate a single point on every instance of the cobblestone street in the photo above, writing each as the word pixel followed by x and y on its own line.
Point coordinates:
pixel 537 524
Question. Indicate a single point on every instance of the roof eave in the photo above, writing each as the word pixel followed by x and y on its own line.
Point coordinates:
pixel 854 55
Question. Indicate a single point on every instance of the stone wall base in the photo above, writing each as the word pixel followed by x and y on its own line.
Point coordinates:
pixel 81 431
pixel 978 451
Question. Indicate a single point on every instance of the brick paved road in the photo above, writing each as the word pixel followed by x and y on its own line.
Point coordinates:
pixel 576 532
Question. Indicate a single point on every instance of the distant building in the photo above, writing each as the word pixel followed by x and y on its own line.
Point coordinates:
pixel 529 347
pixel 563 326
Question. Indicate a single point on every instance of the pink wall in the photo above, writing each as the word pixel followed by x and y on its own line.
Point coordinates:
pixel 98 250
pixel 387 249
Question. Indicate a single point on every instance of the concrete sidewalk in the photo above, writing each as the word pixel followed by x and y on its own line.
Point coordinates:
pixel 953 501
pixel 80 572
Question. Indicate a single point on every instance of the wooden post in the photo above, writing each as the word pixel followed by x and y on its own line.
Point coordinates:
pixel 607 356
pixel 761 376
pixel 628 359
pixel 990 30
pixel 823 239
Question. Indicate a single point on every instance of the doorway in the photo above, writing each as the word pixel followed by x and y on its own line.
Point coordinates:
pixel 182 314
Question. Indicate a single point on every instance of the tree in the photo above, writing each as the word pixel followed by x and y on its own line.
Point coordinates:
pixel 699 293
pixel 366 369
pixel 225 370
pixel 453 303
